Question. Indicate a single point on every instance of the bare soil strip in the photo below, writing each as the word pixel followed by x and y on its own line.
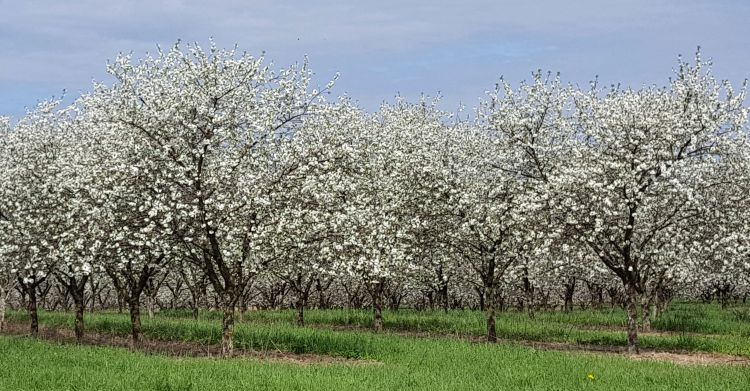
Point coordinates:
pixel 679 358
pixel 178 349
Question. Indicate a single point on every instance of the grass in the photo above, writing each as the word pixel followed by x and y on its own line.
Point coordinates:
pixel 259 337
pixel 407 362
pixel 706 319
pixel 416 364
pixel 680 318
pixel 689 326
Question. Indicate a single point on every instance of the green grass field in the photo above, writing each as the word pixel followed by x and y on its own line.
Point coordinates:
pixel 394 361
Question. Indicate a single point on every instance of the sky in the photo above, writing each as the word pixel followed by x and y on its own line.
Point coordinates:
pixel 457 49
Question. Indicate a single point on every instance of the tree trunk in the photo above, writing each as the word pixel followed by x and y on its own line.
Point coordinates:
pixel 489 296
pixel 323 303
pixel 135 323
pixel 120 300
pixel 530 305
pixel 377 308
pixel 23 303
pixel 76 288
pixel 568 306
pixel 632 309
pixel 395 301
pixel 502 304
pixel 481 295
pixel 150 306
pixel 661 306
pixel 2 308
pixel 227 336
pixel 570 288
pixel 194 300
pixel 31 306
pixel 646 316
pixel 528 293
pixel 724 301
pixel 444 297
pixel 79 329
pixel 242 307
pixel 648 311
pixel 94 292
pixel 300 311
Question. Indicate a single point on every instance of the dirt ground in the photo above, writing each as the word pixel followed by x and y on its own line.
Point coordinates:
pixel 679 358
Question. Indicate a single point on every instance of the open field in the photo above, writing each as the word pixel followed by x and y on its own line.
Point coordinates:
pixel 419 350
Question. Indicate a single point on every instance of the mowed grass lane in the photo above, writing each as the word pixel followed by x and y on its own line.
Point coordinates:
pixel 403 363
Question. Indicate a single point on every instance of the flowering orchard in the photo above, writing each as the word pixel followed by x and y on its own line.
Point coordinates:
pixel 209 179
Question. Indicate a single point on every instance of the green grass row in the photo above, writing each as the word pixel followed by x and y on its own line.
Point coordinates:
pixel 405 364
pixel 680 318
pixel 257 336
pixel 271 330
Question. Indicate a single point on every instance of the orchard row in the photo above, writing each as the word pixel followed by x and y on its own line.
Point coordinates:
pixel 208 172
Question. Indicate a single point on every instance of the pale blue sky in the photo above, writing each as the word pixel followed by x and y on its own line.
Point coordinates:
pixel 381 48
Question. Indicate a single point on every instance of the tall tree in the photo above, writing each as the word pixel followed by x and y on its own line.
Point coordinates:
pixel 215 121
pixel 635 190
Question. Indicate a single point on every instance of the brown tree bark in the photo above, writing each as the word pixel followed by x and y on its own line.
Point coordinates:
pixel 227 334
pixel 377 291
pixel 150 306
pixel 121 298
pixel 3 304
pixel 76 288
pixel 377 322
pixel 134 305
pixel 31 306
pixel 79 325
pixel 300 311
pixel 489 294
pixel 632 310
pixel 528 293
pixel 444 297
pixel 646 314
pixel 481 297
pixel 321 288
pixel 301 287
pixel 570 287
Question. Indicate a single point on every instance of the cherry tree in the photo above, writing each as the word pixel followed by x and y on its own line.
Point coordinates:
pixel 82 216
pixel 635 188
pixel 384 214
pixel 721 264
pixel 490 210
pixel 196 284
pixel 213 122
pixel 7 275
pixel 521 141
pixel 431 161
pixel 304 240
pixel 30 195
